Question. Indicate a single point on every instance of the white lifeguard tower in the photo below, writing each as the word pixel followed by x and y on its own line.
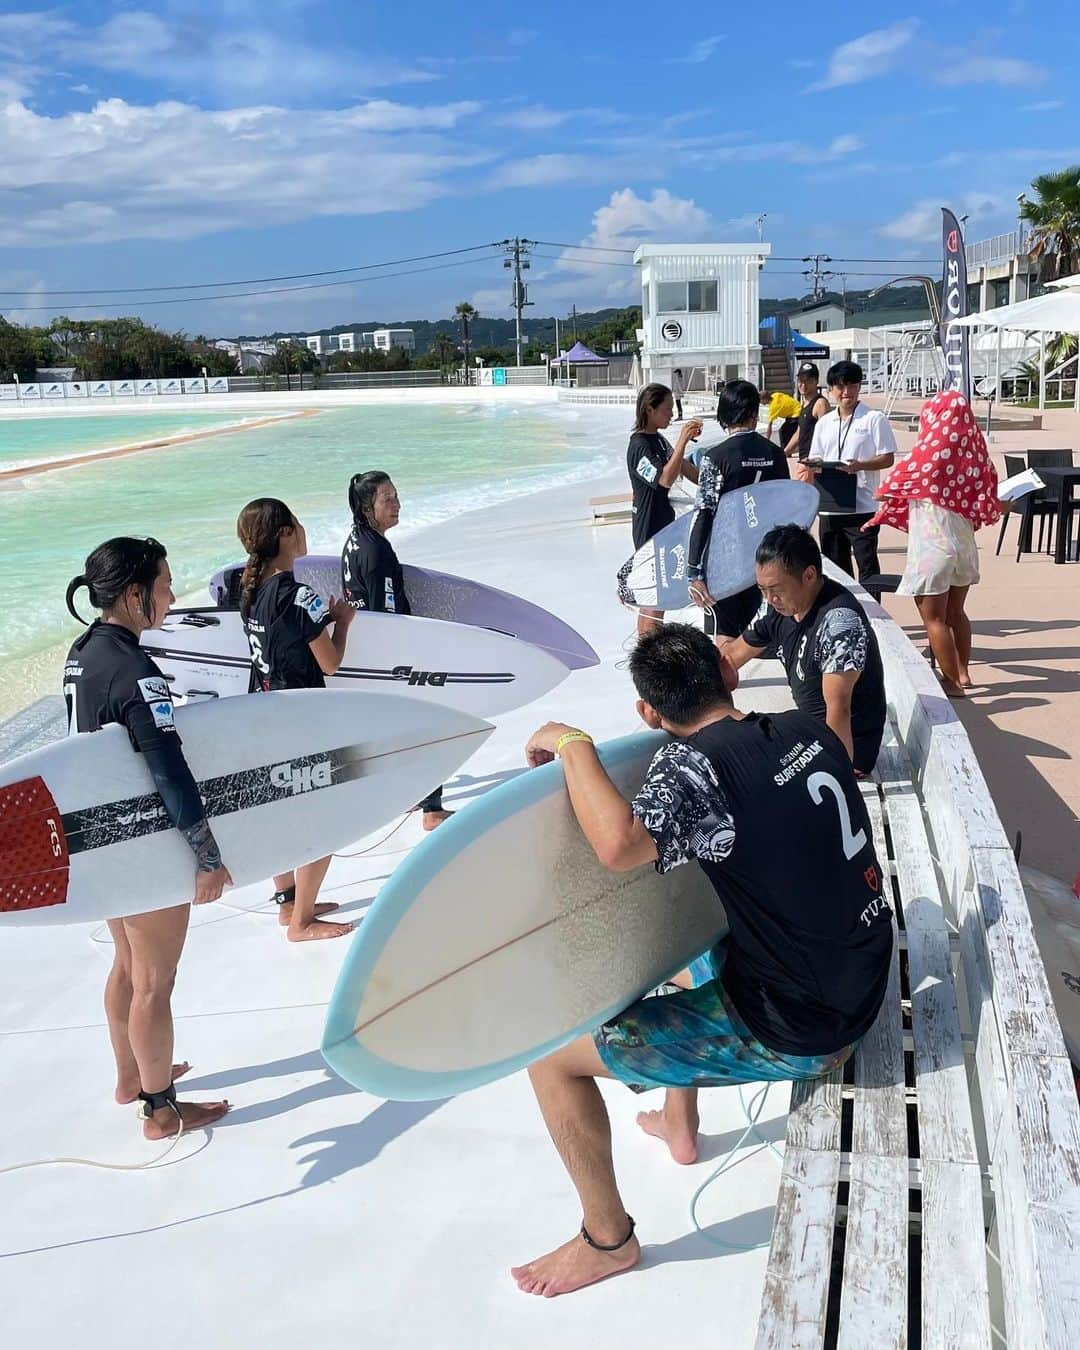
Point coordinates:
pixel 699 305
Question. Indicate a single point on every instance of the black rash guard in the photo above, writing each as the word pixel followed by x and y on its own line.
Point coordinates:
pixel 746 457
pixel 109 678
pixel 371 576
pixel 807 422
pixel 284 620
pixel 770 809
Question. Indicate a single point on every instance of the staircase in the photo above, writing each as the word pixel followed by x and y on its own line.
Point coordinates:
pixel 776 371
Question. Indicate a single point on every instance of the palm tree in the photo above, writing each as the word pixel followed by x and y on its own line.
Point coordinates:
pixel 1055 223
pixel 443 349
pixel 466 314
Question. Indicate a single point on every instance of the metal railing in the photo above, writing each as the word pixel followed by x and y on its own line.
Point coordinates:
pixel 1000 248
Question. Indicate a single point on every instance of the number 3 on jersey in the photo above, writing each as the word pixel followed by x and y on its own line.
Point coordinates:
pixel 853 841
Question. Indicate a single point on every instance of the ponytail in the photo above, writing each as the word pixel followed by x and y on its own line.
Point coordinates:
pixel 362 490
pixel 259 527
pixel 648 400
pixel 112 568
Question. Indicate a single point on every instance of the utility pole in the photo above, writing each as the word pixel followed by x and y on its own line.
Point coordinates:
pixel 517 258
pixel 573 315
pixel 760 222
pixel 816 274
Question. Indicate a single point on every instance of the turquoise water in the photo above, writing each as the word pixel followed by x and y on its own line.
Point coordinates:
pixel 25 440
pixel 444 460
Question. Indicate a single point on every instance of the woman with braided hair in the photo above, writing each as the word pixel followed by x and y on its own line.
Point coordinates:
pixel 288 628
pixel 109 678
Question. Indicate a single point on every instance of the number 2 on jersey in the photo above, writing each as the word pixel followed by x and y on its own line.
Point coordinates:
pixel 853 841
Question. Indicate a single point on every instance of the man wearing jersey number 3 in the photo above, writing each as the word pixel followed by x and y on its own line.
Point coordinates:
pixel 769 808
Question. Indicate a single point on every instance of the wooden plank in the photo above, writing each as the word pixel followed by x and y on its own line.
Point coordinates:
pixel 814 1113
pixel 873 1297
pixel 945 1125
pixel 796 1291
pixel 955 1294
pixel 1037 1195
pixel 991 1082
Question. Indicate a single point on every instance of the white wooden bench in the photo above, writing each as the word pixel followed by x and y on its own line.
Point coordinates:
pixel 930 1193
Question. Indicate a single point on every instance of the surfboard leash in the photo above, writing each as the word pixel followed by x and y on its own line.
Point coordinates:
pixel 752 1112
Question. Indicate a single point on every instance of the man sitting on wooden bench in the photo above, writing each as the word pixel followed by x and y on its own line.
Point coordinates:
pixel 768 806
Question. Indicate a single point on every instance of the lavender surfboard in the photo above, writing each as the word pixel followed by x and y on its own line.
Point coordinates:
pixel 655 577
pixel 440 595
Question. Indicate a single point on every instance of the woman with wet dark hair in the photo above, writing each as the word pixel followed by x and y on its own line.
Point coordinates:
pixel 109 678
pixel 288 629
pixel 372 577
pixel 655 465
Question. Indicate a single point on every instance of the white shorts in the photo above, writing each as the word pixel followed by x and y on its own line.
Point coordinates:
pixel 941 551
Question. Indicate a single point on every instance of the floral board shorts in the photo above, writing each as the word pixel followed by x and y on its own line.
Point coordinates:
pixel 694 1038
pixel 941 551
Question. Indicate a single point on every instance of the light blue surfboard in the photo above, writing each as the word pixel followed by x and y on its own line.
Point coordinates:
pixel 655 577
pixel 501 938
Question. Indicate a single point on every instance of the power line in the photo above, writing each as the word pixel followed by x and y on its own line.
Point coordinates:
pixel 258 281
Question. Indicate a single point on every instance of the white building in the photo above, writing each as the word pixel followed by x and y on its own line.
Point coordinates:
pixel 826 316
pixel 699 306
pixel 1000 270
pixel 376 339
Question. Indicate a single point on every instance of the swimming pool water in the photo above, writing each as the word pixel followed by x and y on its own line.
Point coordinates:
pixel 26 440
pixel 445 460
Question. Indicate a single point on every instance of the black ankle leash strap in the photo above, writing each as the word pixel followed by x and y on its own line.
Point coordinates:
pixel 285 897
pixel 149 1102
pixel 607 1246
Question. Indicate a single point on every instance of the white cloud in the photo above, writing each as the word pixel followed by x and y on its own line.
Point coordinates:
pixel 382 115
pixel 973 69
pixel 845 145
pixel 538 117
pixel 865 57
pixel 248 60
pixel 922 223
pixel 623 222
pixel 547 170
pixel 172 171
pixel 1045 105
pixel 702 50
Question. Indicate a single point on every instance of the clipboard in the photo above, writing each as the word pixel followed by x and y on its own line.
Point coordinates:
pixel 837 490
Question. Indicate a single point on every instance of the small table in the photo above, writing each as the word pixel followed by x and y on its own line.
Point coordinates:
pixel 1067 479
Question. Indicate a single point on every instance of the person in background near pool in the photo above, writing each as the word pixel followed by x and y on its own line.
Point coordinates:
pixel 678 388
pixel 654 465
pixel 371 576
pixel 821 634
pixel 745 457
pixel 858 440
pixel 769 808
pixel 288 630
pixel 941 493
pixel 109 678
pixel 814 407
pixel 784 409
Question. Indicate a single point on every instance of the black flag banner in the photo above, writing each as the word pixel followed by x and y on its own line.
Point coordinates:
pixel 953 337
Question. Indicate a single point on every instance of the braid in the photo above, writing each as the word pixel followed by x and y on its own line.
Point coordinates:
pixel 249 582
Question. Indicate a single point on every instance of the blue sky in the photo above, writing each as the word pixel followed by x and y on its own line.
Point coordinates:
pixel 146 144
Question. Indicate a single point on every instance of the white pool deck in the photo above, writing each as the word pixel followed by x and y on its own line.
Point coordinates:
pixel 315 1212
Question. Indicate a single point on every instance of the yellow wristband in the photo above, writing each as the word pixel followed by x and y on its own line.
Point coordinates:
pixel 569 736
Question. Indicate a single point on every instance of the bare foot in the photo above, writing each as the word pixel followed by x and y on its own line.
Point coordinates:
pixel 195 1115
pixel 285 911
pixel 317 930
pixel 126 1094
pixel 951 689
pixel 966 682
pixel 572 1266
pixel 433 819
pixel 679 1135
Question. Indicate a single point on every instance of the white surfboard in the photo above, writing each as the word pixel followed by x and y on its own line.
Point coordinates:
pixel 286 778
pixel 203 653
pixel 440 595
pixel 1055 916
pixel 501 938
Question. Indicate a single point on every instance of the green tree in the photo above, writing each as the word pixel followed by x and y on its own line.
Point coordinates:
pixel 18 352
pixel 466 314
pixel 291 358
pixel 1055 223
pixel 441 355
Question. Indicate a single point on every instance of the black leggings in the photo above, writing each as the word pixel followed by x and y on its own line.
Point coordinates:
pixel 842 536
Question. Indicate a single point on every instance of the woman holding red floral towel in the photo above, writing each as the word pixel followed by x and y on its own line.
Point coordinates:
pixel 941 493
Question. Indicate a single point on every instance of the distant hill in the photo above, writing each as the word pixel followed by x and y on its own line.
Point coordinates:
pixel 484 331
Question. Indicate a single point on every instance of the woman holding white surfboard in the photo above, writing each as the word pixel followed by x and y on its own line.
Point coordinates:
pixel 288 630
pixel 108 678
pixel 372 578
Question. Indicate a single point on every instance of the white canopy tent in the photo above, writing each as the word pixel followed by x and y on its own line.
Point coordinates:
pixel 1057 311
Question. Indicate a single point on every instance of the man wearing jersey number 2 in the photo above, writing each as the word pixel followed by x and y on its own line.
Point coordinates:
pixel 802 973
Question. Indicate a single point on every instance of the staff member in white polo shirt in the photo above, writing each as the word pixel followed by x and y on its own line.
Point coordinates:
pixel 860 441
